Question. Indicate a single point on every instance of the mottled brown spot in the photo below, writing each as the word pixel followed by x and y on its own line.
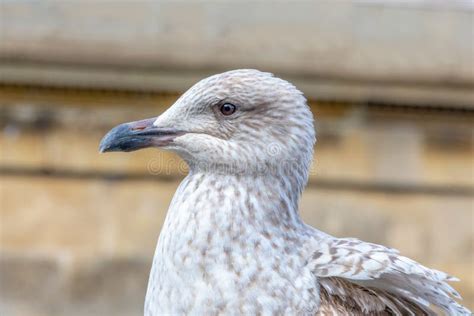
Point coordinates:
pixel 257 244
pixel 317 254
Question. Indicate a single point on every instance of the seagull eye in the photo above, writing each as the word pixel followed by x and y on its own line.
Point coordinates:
pixel 228 109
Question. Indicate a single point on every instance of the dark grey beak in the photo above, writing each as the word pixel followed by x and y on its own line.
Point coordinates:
pixel 137 135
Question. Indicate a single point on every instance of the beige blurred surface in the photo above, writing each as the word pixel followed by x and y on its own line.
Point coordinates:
pixel 89 243
pixel 390 82
pixel 367 40
pixel 78 229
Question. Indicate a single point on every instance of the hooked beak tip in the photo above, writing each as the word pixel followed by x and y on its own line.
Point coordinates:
pixel 112 141
pixel 102 149
pixel 137 135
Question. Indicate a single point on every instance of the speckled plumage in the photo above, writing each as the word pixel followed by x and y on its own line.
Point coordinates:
pixel 233 242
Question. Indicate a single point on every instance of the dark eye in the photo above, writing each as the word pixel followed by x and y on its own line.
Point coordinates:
pixel 228 109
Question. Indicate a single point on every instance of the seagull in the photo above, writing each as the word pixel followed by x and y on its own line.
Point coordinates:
pixel 233 242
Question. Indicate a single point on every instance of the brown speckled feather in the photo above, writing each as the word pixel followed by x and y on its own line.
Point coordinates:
pixel 356 275
pixel 352 299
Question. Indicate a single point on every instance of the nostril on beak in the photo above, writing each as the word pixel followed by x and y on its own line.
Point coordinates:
pixel 138 128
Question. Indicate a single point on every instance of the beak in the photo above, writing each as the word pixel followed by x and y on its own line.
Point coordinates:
pixel 137 135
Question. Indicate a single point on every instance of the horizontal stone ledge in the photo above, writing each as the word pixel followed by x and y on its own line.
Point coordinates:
pixel 76 106
pixel 364 150
pixel 428 40
pixel 318 87
pixel 315 182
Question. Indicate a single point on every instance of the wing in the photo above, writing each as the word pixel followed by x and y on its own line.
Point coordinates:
pixel 342 297
pixel 372 278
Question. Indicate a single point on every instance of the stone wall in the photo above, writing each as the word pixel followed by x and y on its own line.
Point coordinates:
pixel 418 52
pixel 78 229
pixel 391 85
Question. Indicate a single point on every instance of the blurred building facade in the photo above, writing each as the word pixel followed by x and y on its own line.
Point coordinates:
pixel 391 85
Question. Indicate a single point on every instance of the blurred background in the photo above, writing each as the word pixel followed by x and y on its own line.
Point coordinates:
pixel 390 82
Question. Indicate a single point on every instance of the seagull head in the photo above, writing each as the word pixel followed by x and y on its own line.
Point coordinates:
pixel 237 120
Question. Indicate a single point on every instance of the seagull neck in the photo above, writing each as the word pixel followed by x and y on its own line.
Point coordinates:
pixel 262 201
pixel 214 216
